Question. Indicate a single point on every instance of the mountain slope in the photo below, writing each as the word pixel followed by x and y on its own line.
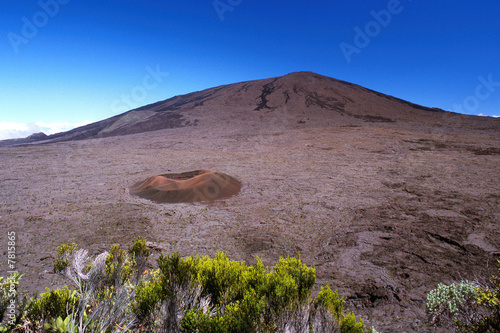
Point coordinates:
pixel 296 99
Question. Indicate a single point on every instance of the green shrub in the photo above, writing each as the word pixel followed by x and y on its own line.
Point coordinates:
pixel 221 279
pixel 234 293
pixel 288 285
pixel 8 292
pixel 12 302
pixel 139 248
pixel 147 298
pixel 237 317
pixel 192 294
pixel 329 302
pixel 450 300
pixel 59 325
pixel 488 298
pixel 63 253
pixel 328 310
pixel 234 297
pixel 244 315
pixel 116 266
pixel 351 325
pixel 175 273
pixel 138 257
pixel 466 306
pixel 195 320
pixel 303 277
pixel 52 304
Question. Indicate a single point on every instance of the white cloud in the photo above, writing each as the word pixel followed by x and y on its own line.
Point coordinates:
pixel 14 130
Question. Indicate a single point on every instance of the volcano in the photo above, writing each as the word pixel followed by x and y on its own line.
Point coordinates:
pixel 301 99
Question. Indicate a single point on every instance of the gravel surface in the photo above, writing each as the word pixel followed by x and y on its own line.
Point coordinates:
pixel 383 213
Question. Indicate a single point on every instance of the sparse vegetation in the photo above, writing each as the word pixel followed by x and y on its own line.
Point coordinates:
pixel 12 302
pixel 63 253
pixel 53 304
pixel 466 306
pixel 113 292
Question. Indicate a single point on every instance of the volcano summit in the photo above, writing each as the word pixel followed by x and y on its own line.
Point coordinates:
pixel 303 98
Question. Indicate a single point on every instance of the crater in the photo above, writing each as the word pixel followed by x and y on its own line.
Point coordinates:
pixel 191 186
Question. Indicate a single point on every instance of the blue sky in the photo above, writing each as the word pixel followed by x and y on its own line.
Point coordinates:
pixel 67 62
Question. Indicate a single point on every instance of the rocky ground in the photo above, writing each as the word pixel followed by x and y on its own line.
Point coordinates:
pixel 384 213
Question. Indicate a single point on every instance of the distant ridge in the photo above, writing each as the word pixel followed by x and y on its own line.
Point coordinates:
pixel 296 99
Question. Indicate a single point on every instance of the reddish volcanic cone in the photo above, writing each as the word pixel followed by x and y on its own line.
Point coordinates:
pixel 192 186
